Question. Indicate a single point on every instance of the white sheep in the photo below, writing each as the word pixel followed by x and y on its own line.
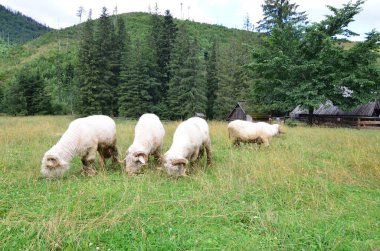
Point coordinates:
pixel 83 138
pixel 149 138
pixel 245 131
pixel 189 141
pixel 271 129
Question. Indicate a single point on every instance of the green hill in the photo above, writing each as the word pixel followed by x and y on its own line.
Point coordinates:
pixel 18 28
pixel 57 49
pixel 137 24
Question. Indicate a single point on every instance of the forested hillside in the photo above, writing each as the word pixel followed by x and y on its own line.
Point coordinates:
pixel 52 62
pixel 126 65
pixel 18 28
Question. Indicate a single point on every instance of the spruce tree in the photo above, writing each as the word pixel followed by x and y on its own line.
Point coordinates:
pixel 224 95
pixel 162 37
pixel 233 77
pixel 136 80
pixel 212 81
pixel 187 87
pixel 106 82
pixel 88 73
pixel 169 31
pixel 119 43
pixel 155 43
pixel 28 95
pixel 14 99
pixel 280 13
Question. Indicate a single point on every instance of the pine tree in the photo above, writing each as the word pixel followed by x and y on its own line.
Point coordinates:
pixel 155 43
pixel 135 99
pixel 106 82
pixel 169 31
pixel 187 87
pixel 88 73
pixel 248 26
pixel 280 14
pixel 14 100
pixel 28 95
pixel 233 78
pixel 212 81
pixel 97 62
pixel 162 37
pixel 119 42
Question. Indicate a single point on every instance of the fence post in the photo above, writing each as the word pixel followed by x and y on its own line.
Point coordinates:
pixel 359 123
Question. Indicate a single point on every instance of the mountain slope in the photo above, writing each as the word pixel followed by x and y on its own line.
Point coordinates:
pixel 65 41
pixel 49 65
pixel 18 28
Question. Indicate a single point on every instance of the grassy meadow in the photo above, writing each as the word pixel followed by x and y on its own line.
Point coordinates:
pixel 311 189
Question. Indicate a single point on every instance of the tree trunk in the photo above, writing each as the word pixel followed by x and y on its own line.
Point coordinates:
pixel 310 117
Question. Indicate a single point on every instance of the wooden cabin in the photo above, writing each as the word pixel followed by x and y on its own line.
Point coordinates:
pixel 243 111
pixel 240 111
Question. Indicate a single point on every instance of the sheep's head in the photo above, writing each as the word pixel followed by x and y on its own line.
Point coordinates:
pixel 281 128
pixel 53 166
pixel 175 167
pixel 135 161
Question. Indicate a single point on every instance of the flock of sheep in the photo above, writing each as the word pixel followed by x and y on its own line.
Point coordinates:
pixel 97 133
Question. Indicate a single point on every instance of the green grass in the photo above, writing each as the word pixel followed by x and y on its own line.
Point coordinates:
pixel 311 189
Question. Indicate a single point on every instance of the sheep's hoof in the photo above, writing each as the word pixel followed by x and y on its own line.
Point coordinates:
pixel 88 171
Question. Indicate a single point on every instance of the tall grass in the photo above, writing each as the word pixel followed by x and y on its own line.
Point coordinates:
pixel 311 189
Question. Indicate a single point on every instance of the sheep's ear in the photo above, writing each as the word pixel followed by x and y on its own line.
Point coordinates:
pixel 142 159
pixel 52 161
pixel 179 161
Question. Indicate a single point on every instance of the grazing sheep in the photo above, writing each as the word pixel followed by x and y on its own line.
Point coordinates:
pixel 245 131
pixel 83 138
pixel 149 138
pixel 189 141
pixel 271 129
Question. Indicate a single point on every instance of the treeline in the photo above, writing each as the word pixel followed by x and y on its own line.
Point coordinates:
pixel 308 64
pixel 165 71
pixel 18 28
pixel 172 69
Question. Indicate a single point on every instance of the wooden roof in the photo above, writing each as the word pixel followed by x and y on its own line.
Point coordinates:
pixel 366 110
pixel 242 105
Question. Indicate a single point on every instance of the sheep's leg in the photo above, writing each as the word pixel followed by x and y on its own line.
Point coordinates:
pixel 236 142
pixel 194 157
pixel 208 152
pixel 88 169
pixel 102 155
pixel 265 141
pixel 88 162
pixel 114 153
pixel 201 152
pixel 157 156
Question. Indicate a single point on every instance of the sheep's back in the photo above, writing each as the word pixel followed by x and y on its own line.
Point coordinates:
pixel 97 128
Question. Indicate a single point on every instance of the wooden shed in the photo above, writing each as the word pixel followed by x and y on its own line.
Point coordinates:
pixel 240 111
